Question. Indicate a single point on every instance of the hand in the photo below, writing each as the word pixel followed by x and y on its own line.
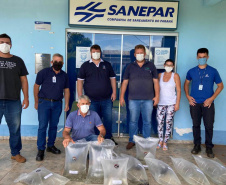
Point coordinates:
pixel 100 139
pixel 191 100
pixel 113 97
pixel 156 100
pixel 176 107
pixel 66 108
pixel 36 105
pixel 208 102
pixel 67 141
pixel 25 103
pixel 122 102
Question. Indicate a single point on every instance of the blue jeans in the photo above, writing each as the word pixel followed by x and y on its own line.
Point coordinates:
pixel 48 114
pixel 91 137
pixel 136 107
pixel 104 110
pixel 12 109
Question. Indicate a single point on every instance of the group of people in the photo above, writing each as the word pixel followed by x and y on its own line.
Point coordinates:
pixel 93 119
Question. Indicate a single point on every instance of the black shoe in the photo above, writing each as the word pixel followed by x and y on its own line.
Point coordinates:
pixel 40 155
pixel 196 149
pixel 114 141
pixel 53 150
pixel 210 153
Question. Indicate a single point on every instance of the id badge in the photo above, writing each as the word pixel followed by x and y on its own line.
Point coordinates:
pixel 200 87
pixel 54 79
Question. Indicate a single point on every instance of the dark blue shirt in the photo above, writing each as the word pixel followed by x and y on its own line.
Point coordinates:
pixel 52 84
pixel 82 126
pixel 141 86
pixel 97 84
pixel 206 77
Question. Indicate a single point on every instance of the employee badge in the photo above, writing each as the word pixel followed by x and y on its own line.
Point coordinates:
pixel 200 87
pixel 54 79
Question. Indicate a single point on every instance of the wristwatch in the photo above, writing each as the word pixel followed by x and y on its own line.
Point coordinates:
pixel 101 135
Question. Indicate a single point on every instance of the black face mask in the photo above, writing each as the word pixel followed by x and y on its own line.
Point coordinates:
pixel 57 65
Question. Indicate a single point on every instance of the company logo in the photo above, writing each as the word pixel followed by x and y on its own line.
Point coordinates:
pixel 116 166
pixel 74 158
pixel 93 13
pixel 207 75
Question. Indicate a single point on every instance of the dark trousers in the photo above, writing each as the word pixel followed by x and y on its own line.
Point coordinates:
pixel 197 113
pixel 48 114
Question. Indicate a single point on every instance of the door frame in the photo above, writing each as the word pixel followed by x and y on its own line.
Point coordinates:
pixel 122 33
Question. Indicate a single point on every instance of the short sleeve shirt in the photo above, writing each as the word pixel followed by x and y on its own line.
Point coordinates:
pixel 97 84
pixel 52 84
pixel 11 69
pixel 141 86
pixel 82 126
pixel 205 77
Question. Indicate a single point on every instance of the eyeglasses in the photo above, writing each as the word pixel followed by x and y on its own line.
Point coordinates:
pixel 58 61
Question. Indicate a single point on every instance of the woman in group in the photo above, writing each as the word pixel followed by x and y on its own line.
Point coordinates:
pixel 169 101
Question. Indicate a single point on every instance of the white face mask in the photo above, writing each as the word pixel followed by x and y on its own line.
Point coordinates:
pixel 84 108
pixel 168 69
pixel 4 48
pixel 140 57
pixel 96 55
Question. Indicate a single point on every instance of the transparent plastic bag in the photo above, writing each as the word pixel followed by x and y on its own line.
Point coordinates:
pixel 97 152
pixel 75 160
pixel 42 176
pixel 115 171
pixel 190 172
pixel 215 170
pixel 135 171
pixel 145 145
pixel 162 172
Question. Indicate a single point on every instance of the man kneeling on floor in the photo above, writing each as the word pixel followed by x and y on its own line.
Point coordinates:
pixel 82 123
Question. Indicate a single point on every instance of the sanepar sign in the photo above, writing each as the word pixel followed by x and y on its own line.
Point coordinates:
pixel 146 14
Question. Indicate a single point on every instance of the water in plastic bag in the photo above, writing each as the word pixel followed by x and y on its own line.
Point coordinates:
pixel 145 145
pixel 136 173
pixel 75 160
pixel 162 172
pixel 190 172
pixel 42 176
pixel 97 152
pixel 115 171
pixel 215 170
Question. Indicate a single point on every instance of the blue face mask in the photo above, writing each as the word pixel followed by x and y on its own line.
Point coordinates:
pixel 202 61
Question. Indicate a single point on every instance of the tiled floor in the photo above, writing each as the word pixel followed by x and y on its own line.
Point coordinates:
pixel 10 170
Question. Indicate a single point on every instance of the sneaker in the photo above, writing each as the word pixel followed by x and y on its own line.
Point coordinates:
pixel 114 141
pixel 130 145
pixel 196 149
pixel 19 158
pixel 53 150
pixel 210 153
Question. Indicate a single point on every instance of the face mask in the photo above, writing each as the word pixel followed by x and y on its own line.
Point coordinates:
pixel 140 57
pixel 57 65
pixel 168 69
pixel 202 61
pixel 5 48
pixel 96 55
pixel 84 108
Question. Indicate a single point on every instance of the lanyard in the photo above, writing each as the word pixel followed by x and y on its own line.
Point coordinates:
pixel 201 77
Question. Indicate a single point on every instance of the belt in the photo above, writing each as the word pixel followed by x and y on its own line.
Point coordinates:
pixel 52 100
